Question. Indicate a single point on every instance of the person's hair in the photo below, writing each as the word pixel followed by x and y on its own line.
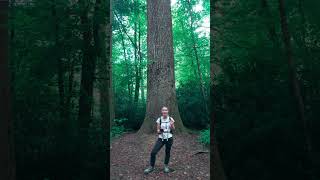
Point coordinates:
pixel 164 107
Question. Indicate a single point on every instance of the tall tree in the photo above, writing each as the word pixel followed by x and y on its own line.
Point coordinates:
pixel 161 90
pixel 88 66
pixel 218 170
pixel 137 57
pixel 87 73
pixel 7 169
pixel 293 78
pixel 195 51
pixel 101 37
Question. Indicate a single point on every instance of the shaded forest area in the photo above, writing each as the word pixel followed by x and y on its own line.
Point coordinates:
pixel 266 100
pixel 59 65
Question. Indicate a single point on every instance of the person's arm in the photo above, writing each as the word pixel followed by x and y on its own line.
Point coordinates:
pixel 172 123
pixel 158 128
pixel 158 125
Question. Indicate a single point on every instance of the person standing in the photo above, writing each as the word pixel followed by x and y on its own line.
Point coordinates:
pixel 165 125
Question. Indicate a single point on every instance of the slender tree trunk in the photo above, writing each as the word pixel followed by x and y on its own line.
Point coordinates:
pixel 60 67
pixel 137 59
pixel 7 163
pixel 129 85
pixel 195 50
pixel 161 81
pixel 293 79
pixel 140 59
pixel 269 23
pixel 70 86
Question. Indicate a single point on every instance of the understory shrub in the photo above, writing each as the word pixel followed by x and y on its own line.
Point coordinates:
pixel 118 128
pixel 204 136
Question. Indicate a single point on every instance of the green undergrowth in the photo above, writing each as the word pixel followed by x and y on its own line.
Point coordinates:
pixel 118 128
pixel 204 137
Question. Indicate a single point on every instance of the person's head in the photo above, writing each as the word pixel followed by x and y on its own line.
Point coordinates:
pixel 164 111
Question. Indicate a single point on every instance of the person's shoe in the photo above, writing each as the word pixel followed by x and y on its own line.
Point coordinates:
pixel 148 170
pixel 166 169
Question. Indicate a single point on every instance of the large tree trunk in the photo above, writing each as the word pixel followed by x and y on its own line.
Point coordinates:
pixel 86 84
pixel 101 36
pixel 7 165
pixel 294 80
pixel 161 90
pixel 218 170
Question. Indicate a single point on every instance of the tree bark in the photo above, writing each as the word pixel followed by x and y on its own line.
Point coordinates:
pixel 101 37
pixel 7 163
pixel 104 69
pixel 161 90
pixel 294 80
pixel 218 170
pixel 87 77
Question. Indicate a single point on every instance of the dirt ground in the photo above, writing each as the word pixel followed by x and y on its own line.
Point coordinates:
pixel 130 155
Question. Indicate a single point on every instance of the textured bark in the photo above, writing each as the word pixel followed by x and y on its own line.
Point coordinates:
pixel 161 90
pixel 109 93
pixel 87 77
pixel 102 42
pixel 294 80
pixel 218 170
pixel 7 164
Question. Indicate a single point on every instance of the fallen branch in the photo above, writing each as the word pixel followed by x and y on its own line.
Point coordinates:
pixel 200 152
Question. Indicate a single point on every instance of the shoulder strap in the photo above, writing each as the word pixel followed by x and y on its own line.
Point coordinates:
pixel 160 121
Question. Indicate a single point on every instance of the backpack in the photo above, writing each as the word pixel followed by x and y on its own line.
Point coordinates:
pixel 169 120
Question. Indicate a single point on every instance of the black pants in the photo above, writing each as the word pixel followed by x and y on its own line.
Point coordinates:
pixel 157 148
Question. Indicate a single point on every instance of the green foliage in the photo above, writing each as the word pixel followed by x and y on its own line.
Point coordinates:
pixel 191 106
pixel 118 128
pixel 204 137
pixel 45 41
pixel 116 131
pixel 256 116
pixel 127 25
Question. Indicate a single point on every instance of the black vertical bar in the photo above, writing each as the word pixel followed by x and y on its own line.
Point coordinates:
pixel 5 115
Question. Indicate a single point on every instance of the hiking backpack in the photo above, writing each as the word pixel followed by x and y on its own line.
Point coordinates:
pixel 169 121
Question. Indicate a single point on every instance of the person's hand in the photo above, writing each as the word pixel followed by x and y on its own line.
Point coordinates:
pixel 172 123
pixel 158 131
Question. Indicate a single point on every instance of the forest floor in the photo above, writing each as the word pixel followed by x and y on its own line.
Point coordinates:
pixel 130 155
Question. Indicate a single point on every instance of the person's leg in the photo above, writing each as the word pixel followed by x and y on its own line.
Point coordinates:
pixel 154 152
pixel 168 149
